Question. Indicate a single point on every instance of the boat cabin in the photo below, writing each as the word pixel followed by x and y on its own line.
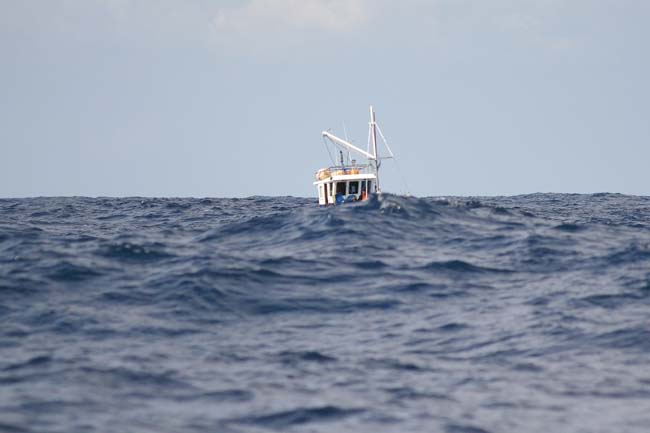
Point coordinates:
pixel 338 185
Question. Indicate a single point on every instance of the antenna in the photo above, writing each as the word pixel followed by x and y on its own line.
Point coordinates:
pixel 345 132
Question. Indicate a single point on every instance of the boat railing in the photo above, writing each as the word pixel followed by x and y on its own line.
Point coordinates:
pixel 338 170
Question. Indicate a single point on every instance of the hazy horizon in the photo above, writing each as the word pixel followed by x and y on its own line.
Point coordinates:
pixel 228 98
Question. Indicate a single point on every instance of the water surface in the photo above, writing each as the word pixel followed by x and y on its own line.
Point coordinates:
pixel 512 314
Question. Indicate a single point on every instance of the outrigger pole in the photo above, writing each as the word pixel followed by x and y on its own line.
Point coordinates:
pixel 347 145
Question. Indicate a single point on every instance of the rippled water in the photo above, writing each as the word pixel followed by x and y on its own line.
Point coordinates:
pixel 516 314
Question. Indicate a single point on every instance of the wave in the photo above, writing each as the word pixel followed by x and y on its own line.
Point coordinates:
pixel 290 418
pixel 270 313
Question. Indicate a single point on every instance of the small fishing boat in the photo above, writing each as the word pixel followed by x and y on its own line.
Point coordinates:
pixel 349 181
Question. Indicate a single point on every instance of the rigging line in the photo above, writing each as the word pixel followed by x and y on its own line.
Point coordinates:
pixel 401 175
pixel 384 139
pixel 369 135
pixel 328 151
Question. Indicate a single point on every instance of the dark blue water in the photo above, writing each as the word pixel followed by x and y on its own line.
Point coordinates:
pixel 517 314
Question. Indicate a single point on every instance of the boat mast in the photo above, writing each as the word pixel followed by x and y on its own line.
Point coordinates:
pixel 373 133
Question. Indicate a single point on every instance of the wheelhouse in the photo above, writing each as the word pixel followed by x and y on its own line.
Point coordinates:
pixel 337 185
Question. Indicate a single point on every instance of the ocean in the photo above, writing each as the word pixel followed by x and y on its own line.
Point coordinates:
pixel 398 314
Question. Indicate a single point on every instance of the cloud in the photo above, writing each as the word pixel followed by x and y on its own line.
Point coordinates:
pixel 290 15
pixel 271 28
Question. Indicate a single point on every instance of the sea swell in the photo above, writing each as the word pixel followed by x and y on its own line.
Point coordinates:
pixel 269 313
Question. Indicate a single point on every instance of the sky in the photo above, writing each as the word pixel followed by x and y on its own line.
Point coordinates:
pixel 228 98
